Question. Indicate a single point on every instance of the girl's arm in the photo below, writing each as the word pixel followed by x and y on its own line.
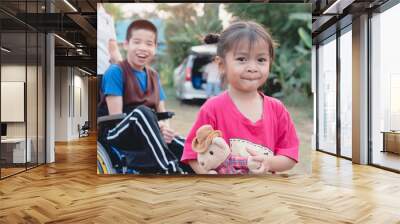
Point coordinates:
pixel 276 163
pixel 286 145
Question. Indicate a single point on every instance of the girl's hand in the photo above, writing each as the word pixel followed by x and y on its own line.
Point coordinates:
pixel 212 172
pixel 254 167
pixel 276 163
pixel 255 157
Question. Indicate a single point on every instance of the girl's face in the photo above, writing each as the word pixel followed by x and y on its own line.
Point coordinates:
pixel 246 67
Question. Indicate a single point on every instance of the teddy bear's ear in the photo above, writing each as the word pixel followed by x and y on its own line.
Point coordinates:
pixel 220 142
pixel 195 144
pixel 199 143
pixel 204 130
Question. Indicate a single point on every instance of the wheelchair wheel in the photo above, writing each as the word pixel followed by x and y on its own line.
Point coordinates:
pixel 104 165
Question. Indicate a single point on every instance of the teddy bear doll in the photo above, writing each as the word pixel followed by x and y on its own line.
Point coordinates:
pixel 215 156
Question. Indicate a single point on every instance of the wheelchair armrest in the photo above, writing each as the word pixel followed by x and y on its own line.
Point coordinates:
pixel 164 115
pixel 115 117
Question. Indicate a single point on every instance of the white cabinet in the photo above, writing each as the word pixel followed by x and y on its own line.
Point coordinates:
pixel 18 149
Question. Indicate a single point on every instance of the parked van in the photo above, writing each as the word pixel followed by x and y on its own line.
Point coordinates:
pixel 188 76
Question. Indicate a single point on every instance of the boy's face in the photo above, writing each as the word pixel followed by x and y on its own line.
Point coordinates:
pixel 140 48
pixel 246 68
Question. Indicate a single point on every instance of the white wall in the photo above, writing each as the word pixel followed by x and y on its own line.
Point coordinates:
pixel 13 73
pixel 79 110
pixel 71 93
pixel 61 103
pixel 33 126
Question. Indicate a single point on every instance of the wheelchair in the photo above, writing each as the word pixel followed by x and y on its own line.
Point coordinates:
pixel 109 159
pixel 83 130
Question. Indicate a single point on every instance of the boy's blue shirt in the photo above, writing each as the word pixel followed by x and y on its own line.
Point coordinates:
pixel 112 83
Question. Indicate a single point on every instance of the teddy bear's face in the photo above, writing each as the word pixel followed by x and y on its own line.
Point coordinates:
pixel 216 154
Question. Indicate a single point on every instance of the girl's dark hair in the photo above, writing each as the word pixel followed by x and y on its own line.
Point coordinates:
pixel 242 30
pixel 211 38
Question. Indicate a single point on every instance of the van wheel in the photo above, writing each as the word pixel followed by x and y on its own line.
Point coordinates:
pixel 185 101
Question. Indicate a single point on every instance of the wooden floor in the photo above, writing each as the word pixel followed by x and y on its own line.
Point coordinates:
pixel 5 172
pixel 10 171
pixel 388 159
pixel 69 191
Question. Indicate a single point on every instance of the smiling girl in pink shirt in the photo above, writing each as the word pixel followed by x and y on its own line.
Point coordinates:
pixel 245 52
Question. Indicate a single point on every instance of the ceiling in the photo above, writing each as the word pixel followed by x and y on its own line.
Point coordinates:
pixel 328 13
pixel 72 20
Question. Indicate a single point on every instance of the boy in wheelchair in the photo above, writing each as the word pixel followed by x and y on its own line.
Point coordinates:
pixel 131 98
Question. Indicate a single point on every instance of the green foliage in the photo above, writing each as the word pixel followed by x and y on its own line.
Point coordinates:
pixel 165 70
pixel 305 37
pixel 290 25
pixel 114 10
pixel 184 28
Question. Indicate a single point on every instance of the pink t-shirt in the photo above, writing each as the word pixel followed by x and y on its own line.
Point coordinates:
pixel 275 130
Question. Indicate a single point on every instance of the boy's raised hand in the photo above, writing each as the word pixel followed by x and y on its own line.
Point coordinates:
pixel 115 55
pixel 167 132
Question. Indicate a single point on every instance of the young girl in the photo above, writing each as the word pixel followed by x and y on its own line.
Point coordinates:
pixel 245 53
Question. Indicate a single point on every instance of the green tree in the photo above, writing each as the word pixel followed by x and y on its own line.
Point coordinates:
pixel 184 28
pixel 114 10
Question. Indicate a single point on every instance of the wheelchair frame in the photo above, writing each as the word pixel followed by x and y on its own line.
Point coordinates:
pixel 105 164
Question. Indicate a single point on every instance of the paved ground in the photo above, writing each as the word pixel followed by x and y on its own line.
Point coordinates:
pixel 185 115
